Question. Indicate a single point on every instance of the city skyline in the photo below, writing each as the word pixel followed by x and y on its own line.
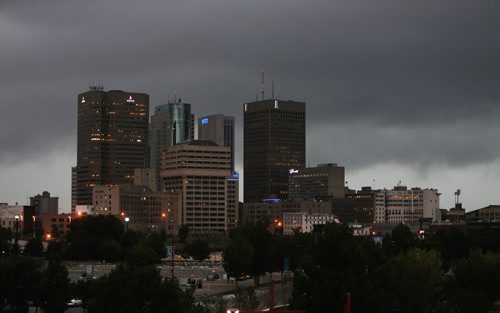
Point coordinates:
pixel 394 91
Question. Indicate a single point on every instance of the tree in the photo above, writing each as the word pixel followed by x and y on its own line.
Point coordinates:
pixel 416 280
pixel 238 257
pixel 139 289
pixel 183 233
pixel 475 282
pixel 198 249
pixel 5 238
pixel 34 247
pixel 401 239
pixel 18 276
pixel 246 299
pixel 333 263
pixel 53 289
pixel 91 237
pixel 261 242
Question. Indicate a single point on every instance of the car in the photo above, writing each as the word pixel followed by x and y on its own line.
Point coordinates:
pixel 211 277
pixel 74 302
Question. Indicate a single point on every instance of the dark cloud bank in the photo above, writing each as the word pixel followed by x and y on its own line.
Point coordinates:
pixel 385 81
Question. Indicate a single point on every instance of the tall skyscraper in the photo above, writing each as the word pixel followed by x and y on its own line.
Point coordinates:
pixel 172 123
pixel 219 129
pixel 274 141
pixel 201 171
pixel 112 139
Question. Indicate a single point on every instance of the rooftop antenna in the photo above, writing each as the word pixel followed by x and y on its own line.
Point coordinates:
pixel 272 89
pixel 256 96
pixel 262 86
pixel 457 196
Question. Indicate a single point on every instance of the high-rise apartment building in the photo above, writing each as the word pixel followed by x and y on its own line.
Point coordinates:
pixel 274 141
pixel 112 139
pixel 323 181
pixel 219 129
pixel 201 171
pixel 172 123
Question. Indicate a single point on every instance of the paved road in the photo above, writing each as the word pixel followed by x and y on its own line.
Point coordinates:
pixel 183 272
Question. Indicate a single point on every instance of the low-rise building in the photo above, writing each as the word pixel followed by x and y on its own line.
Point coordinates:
pixel 18 218
pixel 325 180
pixel 55 225
pixel 491 213
pixel 269 211
pixel 305 222
pixel 140 208
pixel 403 205
pixel 45 204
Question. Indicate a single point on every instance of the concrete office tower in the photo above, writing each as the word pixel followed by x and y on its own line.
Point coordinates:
pixel 44 204
pixel 172 123
pixel 219 129
pixel 112 139
pixel 200 170
pixel 323 181
pixel 274 141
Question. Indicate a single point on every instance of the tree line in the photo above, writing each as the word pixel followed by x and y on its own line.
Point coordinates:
pixel 446 272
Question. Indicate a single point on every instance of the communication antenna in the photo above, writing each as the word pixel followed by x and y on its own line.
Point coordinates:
pixel 272 89
pixel 457 196
pixel 262 86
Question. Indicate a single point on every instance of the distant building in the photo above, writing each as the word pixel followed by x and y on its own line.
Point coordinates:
pixel 357 207
pixel 219 129
pixel 171 123
pixel 45 204
pixel 268 211
pixel 233 207
pixel 55 225
pixel 201 171
pixel 325 180
pixel 21 216
pixel 74 188
pixel 112 139
pixel 146 210
pixel 274 141
pixel 402 205
pixel 491 213
pixel 145 177
pixel 453 215
pixel 304 222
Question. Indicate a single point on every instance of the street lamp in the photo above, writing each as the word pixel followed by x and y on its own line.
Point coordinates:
pixel 164 219
pixel 34 226
pixel 127 219
pixel 16 225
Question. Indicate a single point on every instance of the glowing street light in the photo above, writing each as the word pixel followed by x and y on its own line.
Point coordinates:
pixel 127 219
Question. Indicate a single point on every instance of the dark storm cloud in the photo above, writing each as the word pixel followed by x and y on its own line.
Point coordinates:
pixel 390 72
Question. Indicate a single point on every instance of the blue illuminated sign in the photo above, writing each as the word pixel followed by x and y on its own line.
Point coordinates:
pixel 204 121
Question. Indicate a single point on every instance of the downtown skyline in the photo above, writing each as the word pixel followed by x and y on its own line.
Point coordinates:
pixel 394 91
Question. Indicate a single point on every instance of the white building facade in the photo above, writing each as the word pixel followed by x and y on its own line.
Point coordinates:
pixel 304 222
pixel 403 205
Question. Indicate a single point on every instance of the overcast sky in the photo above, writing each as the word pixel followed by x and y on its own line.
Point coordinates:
pixel 395 90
